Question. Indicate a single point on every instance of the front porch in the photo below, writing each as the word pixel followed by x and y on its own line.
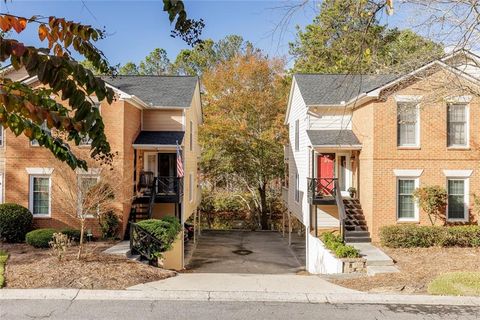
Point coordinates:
pixel 333 193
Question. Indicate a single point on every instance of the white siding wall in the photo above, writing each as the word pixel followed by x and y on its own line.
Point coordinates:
pixel 299 161
pixel 330 119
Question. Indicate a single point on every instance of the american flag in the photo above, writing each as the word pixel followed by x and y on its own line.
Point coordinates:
pixel 179 162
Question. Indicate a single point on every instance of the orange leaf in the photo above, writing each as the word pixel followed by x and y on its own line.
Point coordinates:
pixel 5 23
pixel 23 23
pixel 42 32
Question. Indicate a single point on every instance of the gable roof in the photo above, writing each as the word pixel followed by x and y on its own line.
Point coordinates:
pixel 333 138
pixel 337 89
pixel 157 91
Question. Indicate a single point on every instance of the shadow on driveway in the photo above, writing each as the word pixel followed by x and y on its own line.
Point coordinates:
pixel 236 251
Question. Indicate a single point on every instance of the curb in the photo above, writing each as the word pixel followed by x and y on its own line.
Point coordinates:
pixel 246 296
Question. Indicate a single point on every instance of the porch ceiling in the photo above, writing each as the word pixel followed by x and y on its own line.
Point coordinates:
pixel 344 139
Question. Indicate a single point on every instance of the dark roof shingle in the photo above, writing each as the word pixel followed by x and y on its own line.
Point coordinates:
pixel 158 91
pixel 332 89
pixel 333 138
pixel 159 138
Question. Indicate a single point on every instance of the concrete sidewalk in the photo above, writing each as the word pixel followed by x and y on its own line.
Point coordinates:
pixel 222 282
pixel 238 288
pixel 208 296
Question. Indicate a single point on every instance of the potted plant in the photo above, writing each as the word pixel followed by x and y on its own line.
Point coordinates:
pixel 160 259
pixel 352 191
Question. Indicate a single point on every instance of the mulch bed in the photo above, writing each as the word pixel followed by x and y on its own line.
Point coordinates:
pixel 28 267
pixel 418 267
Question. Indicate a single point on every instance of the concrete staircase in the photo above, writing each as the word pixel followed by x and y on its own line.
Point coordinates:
pixel 377 261
pixel 356 229
pixel 123 249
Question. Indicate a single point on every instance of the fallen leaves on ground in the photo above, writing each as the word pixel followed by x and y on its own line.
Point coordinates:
pixel 28 267
pixel 418 267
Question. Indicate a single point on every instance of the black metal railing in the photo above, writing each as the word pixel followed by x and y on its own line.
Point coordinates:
pixel 341 209
pixel 328 188
pixel 144 243
pixel 319 188
pixel 169 186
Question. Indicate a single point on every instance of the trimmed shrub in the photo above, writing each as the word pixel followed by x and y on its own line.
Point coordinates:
pixel 72 234
pixel 165 230
pixel 335 244
pixel 40 238
pixel 345 251
pixel 15 222
pixel 109 224
pixel 411 236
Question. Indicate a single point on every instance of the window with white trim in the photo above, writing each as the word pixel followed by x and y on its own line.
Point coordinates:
pixel 407 209
pixel 40 197
pixel 191 135
pixel 457 125
pixel 297 135
pixel 1 136
pixel 85 184
pixel 457 205
pixel 45 128
pixel 86 140
pixel 297 187
pixel 190 187
pixel 407 124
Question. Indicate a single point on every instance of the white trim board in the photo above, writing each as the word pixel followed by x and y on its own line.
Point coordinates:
pixel 458 173
pixel 407 172
pixel 44 171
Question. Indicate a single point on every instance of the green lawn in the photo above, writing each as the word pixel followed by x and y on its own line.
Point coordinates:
pixel 456 284
pixel 3 261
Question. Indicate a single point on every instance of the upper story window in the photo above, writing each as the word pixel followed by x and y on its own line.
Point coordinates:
pixel 191 135
pixel 45 128
pixel 297 135
pixel 457 125
pixel 408 133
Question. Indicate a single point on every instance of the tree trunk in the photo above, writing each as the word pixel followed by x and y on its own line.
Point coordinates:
pixel 80 245
pixel 263 207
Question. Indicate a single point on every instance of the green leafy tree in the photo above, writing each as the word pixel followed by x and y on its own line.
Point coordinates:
pixel 25 109
pixel 432 200
pixel 207 54
pixel 128 69
pixel 243 133
pixel 347 37
pixel 88 65
pixel 156 63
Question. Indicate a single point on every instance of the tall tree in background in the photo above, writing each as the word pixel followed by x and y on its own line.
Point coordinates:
pixel 346 37
pixel 25 110
pixel 243 132
pixel 207 54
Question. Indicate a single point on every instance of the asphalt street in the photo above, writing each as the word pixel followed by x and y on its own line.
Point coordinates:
pixel 200 310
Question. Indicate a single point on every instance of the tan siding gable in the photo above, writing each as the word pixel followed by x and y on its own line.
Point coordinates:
pixel 162 120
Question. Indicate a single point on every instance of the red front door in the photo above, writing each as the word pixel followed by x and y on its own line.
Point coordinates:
pixel 326 172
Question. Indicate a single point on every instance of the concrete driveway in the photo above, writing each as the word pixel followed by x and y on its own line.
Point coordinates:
pixel 232 251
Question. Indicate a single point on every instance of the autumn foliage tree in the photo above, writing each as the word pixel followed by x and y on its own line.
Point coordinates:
pixel 243 131
pixel 26 110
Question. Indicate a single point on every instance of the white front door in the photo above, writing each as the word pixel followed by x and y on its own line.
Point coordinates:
pixel 343 172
